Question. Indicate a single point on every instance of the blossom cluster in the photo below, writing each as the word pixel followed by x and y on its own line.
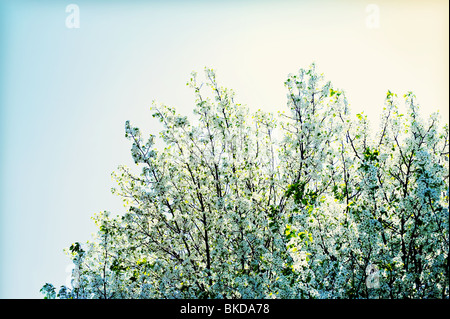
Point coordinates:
pixel 258 205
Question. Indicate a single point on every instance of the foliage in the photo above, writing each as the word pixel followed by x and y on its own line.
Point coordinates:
pixel 227 210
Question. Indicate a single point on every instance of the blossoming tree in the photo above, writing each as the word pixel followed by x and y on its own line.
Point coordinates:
pixel 298 205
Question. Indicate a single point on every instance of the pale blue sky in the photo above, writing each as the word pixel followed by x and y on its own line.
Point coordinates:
pixel 65 94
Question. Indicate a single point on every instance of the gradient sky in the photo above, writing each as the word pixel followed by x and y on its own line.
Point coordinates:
pixel 65 93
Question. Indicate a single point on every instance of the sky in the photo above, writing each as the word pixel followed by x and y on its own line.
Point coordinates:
pixel 66 91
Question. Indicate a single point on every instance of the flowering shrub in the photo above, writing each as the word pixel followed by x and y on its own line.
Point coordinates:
pixel 298 205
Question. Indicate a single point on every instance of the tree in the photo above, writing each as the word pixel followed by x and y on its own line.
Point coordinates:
pixel 229 210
